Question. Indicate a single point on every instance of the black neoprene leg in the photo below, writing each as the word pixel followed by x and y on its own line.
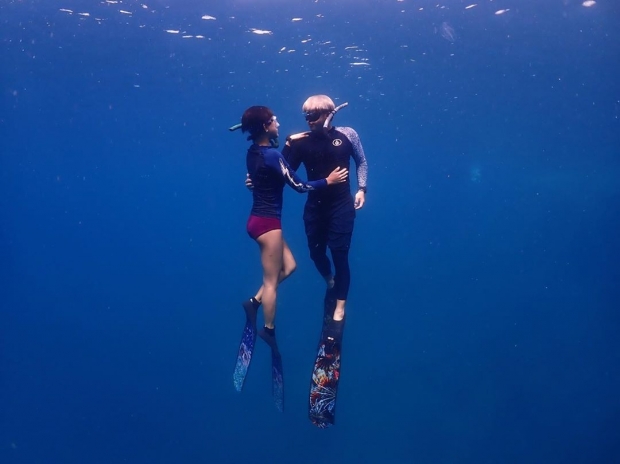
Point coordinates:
pixel 317 244
pixel 321 261
pixel 342 277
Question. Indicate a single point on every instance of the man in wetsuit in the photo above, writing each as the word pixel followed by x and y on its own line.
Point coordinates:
pixel 329 214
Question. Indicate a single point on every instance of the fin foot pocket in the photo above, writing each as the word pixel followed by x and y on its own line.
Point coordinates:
pixel 269 336
pixel 251 310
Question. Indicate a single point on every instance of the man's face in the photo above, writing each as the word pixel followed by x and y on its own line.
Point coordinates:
pixel 316 119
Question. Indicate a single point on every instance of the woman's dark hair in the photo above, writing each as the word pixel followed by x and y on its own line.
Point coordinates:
pixel 254 118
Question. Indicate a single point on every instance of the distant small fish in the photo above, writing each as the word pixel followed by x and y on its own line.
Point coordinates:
pixel 207 17
pixel 260 31
pixel 359 63
pixel 500 12
pixel 471 6
pixel 66 11
pixel 589 3
pixel 296 19
pixel 172 31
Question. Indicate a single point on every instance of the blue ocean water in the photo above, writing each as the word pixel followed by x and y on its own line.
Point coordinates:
pixel 481 322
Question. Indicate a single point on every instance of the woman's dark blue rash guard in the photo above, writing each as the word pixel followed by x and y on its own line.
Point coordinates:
pixel 269 172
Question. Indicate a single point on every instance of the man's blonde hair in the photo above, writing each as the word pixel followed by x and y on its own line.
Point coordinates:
pixel 318 103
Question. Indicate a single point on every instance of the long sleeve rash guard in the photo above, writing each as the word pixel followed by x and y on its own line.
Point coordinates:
pixel 269 172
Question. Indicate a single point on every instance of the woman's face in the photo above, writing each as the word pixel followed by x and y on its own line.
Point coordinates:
pixel 272 127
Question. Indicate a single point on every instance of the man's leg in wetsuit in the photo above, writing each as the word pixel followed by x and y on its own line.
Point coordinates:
pixel 339 241
pixel 342 280
pixel 317 232
pixel 317 229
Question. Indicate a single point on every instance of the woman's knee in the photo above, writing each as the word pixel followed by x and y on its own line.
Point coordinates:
pixel 270 284
pixel 291 268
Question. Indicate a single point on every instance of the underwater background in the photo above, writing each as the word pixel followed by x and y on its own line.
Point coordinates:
pixel 481 322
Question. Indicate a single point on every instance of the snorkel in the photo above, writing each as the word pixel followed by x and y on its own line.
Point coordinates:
pixel 274 142
pixel 328 120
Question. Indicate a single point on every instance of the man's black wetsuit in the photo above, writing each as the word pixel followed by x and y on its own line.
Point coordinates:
pixel 329 214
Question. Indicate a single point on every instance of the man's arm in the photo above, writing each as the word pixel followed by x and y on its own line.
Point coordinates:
pixel 291 155
pixel 248 181
pixel 360 163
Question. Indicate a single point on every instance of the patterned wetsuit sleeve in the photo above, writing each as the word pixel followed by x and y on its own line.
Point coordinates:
pixel 358 155
pixel 275 160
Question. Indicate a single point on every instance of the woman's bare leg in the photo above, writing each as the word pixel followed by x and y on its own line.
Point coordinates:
pixel 272 258
pixel 288 267
pixel 288 262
